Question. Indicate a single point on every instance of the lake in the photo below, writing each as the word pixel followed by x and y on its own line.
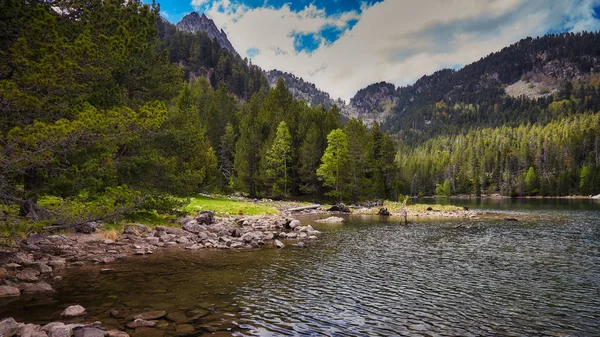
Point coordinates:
pixel 539 276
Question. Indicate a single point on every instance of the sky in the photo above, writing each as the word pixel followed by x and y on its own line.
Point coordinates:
pixel 344 45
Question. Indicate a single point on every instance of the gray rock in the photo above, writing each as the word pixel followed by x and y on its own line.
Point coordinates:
pixel 31 330
pixel 205 217
pixel 279 244
pixel 139 252
pixel 38 287
pixel 182 239
pixel 294 223
pixel 44 268
pixel 60 331
pixel 193 227
pixel 3 273
pixel 8 327
pixel 51 325
pixel 89 332
pixel 138 323
pixel 8 291
pixel 73 311
pixel 28 275
pixel 13 265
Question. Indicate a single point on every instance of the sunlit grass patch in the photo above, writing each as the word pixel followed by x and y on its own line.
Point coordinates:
pixel 224 206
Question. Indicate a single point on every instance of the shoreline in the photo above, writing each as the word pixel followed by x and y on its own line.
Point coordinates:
pixel 497 196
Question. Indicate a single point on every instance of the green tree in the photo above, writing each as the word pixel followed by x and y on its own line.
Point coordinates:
pixel 334 168
pixel 531 182
pixel 443 189
pixel 278 159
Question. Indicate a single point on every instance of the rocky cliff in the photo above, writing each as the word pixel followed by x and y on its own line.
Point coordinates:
pixel 194 23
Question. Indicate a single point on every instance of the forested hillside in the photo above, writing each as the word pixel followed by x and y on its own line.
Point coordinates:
pixel 461 131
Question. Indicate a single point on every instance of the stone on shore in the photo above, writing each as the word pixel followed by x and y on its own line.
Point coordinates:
pixel 8 291
pixel 151 315
pixel 73 311
pixel 89 332
pixel 331 219
pixel 294 223
pixel 28 275
pixel 31 330
pixel 8 327
pixel 34 288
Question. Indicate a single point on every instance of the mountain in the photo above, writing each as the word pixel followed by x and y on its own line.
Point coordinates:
pixel 370 104
pixel 194 23
pixel 506 88
pixel 191 46
pixel 302 89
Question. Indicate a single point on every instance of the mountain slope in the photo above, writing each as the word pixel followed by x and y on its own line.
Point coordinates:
pixel 480 95
pixel 194 23
pixel 200 55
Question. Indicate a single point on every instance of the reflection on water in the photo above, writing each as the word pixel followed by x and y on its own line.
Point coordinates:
pixel 366 278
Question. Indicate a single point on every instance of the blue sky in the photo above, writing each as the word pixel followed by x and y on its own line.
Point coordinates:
pixel 344 45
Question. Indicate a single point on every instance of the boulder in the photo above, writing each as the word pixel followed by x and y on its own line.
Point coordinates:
pixel 294 223
pixel 89 332
pixel 28 275
pixel 3 273
pixel 205 217
pixel 279 244
pixel 331 219
pixel 8 327
pixel 383 212
pixel 8 291
pixel 44 268
pixel 31 330
pixel 60 331
pixel 339 208
pixel 151 315
pixel 34 288
pixel 193 227
pixel 73 311
pixel 138 323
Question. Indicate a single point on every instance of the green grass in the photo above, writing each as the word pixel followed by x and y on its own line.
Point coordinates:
pixel 225 206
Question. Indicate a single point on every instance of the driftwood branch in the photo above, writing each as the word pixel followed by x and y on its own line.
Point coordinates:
pixel 303 208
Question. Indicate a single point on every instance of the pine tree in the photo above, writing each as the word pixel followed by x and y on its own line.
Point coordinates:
pixel 278 160
pixel 334 170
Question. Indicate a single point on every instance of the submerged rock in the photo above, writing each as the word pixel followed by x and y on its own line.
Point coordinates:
pixel 73 311
pixel 116 333
pixel 331 219
pixel 138 323
pixel 279 244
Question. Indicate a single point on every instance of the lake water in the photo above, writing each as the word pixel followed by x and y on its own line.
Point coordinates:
pixel 369 277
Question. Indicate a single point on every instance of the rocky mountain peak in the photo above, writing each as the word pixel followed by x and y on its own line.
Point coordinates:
pixel 194 23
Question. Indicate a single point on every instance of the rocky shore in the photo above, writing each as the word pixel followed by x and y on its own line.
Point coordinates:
pixel 151 323
pixel 39 259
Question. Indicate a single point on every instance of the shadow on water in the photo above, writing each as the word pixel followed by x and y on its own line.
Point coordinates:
pixel 367 277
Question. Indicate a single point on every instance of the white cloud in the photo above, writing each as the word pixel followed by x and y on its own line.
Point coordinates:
pixel 394 41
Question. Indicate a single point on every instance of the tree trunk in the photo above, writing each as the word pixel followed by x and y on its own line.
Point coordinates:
pixel 29 205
